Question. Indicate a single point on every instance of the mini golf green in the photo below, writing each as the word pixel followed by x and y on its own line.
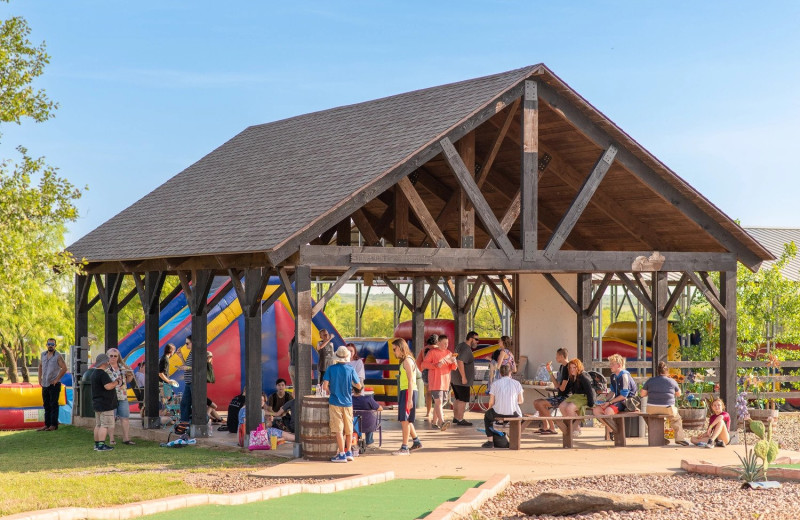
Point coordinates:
pixel 398 499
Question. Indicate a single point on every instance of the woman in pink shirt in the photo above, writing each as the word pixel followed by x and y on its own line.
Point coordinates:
pixel 440 362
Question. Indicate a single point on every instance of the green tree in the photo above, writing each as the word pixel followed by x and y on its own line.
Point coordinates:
pixel 35 206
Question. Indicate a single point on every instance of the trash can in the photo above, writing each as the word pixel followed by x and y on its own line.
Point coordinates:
pixel 87 409
pixel 634 426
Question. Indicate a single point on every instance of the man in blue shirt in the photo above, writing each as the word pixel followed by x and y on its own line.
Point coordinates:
pixel 338 381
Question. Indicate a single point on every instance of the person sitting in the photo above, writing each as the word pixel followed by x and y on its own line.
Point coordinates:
pixel 622 386
pixel 365 402
pixel 661 392
pixel 234 407
pixel 280 397
pixel 275 432
pixel 505 396
pixel 283 417
pixel 580 391
pixel 544 406
pixel 719 425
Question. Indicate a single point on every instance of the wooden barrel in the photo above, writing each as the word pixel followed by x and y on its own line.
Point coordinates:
pixel 317 440
pixel 693 418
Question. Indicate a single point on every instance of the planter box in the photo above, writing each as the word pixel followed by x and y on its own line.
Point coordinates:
pixel 693 418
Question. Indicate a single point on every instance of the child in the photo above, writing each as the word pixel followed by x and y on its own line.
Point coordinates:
pixel 718 432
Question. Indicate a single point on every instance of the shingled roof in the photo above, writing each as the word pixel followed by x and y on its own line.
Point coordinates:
pixel 274 182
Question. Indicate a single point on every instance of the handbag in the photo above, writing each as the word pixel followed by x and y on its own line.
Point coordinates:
pixel 259 439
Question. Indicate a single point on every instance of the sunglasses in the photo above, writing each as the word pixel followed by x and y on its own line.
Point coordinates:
pixel 112 355
pixel 51 344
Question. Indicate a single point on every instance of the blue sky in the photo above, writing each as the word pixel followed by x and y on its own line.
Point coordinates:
pixel 147 88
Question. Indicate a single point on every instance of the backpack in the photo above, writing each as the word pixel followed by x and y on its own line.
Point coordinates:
pixel 599 382
pixel 500 439
pixel 632 387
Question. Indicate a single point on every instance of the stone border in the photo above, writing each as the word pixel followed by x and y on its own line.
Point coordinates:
pixel 160 505
pixel 707 468
pixel 471 500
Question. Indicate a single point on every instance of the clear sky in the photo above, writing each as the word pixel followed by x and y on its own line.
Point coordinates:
pixel 148 87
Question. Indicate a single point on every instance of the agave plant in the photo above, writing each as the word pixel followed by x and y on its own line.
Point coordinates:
pixel 751 468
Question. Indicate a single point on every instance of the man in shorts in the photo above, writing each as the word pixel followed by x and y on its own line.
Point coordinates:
pixel 463 377
pixel 559 381
pixel 104 401
pixel 339 380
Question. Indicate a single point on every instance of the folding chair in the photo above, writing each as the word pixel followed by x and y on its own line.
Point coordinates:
pixel 364 422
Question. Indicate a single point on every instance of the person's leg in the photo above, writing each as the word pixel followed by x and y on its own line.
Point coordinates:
pixel 428 401
pixel 543 407
pixel 458 410
pixel 52 412
pixel 718 427
pixel 488 419
pixel 348 430
pixel 336 423
pixel 186 403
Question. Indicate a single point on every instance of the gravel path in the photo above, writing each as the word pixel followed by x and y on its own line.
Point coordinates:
pixel 714 498
pixel 231 481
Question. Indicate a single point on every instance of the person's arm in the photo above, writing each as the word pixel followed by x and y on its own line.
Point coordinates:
pixel 112 384
pixel 501 357
pixel 586 383
pixel 40 370
pixel 63 367
pixel 326 386
pixel 461 373
pixel 356 382
pixel 520 398
pixel 491 402
pixel 411 382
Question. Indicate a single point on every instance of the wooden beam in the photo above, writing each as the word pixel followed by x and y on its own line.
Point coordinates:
pixel 584 319
pixel 710 297
pixel 185 278
pixel 498 141
pixel 332 290
pixel 598 295
pixel 709 283
pixel 287 288
pixel 644 300
pixel 434 283
pixel 497 292
pixel 466 213
pixel 362 223
pixel 647 175
pixel 396 291
pixel 270 301
pixel 563 292
pixel 482 208
pixel 476 287
pixel 637 276
pixel 422 213
pixel 676 294
pixel 580 201
pixel 343 232
pixel 325 238
pixel 454 261
pixel 529 180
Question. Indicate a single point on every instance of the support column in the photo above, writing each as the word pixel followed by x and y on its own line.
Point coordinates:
pixel 660 325
pixel 460 311
pixel 151 304
pixel 418 314
pixel 303 329
pixel 727 344
pixel 254 284
pixel 530 179
pixel 113 282
pixel 584 347
pixel 466 227
pixel 82 284
pixel 201 285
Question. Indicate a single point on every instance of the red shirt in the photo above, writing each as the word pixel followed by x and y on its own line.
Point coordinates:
pixel 438 376
pixel 725 417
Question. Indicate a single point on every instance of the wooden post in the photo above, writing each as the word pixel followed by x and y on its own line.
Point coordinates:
pixel 400 218
pixel 151 304
pixel 418 314
pixel 466 235
pixel 584 351
pixel 529 178
pixel 255 281
pixel 113 283
pixel 660 325
pixel 727 344
pixel 302 333
pixel 82 284
pixel 201 285
pixel 460 310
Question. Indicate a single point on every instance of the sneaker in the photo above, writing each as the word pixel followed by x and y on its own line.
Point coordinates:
pixel 402 451
pixel 445 425
pixel 349 456
pixel 415 446
pixel 434 426
pixel 103 447
pixel 487 444
pixel 710 445
pixel 719 444
pixel 701 444
pixel 341 458
pixel 576 433
pixel 463 422
pixel 684 442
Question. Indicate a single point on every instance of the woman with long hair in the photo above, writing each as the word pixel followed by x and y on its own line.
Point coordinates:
pixel 119 371
pixel 356 362
pixel 580 391
pixel 506 357
pixel 406 397
pixel 430 343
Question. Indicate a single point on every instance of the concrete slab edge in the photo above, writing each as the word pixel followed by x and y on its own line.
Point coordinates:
pixel 707 468
pixel 472 499
pixel 160 505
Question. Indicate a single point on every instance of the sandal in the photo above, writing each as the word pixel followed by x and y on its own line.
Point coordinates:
pixel 112 443
pixel 549 432
pixel 129 443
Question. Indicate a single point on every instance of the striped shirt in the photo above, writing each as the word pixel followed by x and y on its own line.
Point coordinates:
pixel 506 392
pixel 187 372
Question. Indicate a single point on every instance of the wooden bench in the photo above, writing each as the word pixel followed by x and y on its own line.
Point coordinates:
pixel 615 423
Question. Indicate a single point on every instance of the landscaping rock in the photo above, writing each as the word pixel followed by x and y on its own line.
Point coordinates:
pixel 562 502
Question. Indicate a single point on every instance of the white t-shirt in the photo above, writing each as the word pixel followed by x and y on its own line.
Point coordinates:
pixel 506 392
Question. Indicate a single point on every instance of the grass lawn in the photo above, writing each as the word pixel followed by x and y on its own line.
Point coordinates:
pixel 395 500
pixel 40 470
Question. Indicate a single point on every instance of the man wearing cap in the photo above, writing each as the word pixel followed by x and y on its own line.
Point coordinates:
pixel 51 369
pixel 339 380
pixel 104 401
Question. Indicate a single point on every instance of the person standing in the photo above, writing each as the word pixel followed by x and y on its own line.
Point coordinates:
pixel 407 397
pixel 324 352
pixel 440 362
pixel 118 370
pixel 356 362
pixel 186 399
pixel 104 401
pixel 163 365
pixel 51 369
pixel 338 382
pixel 661 392
pixel 505 396
pixel 430 344
pixel 463 377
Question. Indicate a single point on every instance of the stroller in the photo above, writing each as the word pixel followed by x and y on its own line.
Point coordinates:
pixel 367 421
pixel 172 405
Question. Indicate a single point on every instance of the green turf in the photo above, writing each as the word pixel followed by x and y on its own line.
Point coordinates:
pixel 395 500
pixel 790 466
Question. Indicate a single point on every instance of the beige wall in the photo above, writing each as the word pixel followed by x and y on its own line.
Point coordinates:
pixel 546 322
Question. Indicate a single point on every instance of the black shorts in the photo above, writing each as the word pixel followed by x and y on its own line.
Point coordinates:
pixel 460 392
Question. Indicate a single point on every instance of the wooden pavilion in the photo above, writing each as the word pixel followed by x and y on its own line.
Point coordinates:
pixel 491 178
